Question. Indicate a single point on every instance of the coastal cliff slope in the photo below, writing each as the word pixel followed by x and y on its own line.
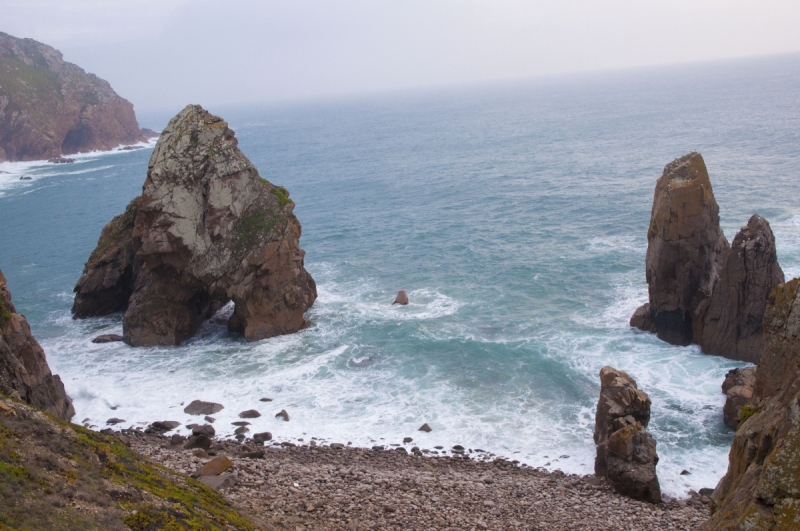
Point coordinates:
pixel 24 372
pixel 206 230
pixel 761 489
pixel 49 107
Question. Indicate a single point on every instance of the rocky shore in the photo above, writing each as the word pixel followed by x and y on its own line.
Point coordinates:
pixel 320 486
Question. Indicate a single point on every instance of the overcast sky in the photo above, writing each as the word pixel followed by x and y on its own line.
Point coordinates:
pixel 162 54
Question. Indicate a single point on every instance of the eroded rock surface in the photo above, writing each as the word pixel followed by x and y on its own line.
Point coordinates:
pixel 24 372
pixel 206 230
pixel 626 452
pixel 739 387
pixel 761 489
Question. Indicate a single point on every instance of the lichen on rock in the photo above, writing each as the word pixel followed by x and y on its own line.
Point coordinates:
pixel 207 230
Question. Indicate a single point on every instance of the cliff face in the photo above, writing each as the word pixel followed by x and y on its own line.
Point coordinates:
pixel 49 107
pixel 24 372
pixel 206 230
pixel 701 290
pixel 761 489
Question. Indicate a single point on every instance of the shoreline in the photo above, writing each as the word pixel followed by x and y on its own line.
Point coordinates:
pixel 337 487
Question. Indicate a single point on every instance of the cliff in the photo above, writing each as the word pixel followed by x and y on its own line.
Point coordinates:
pixel 761 489
pixel 24 372
pixel 49 107
pixel 206 230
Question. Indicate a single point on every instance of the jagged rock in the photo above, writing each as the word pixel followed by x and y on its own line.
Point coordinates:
pixel 206 230
pixel 198 407
pixel 215 467
pixel 761 489
pixel 425 428
pixel 738 387
pixel 49 107
pixel 282 414
pixel 402 298
pixel 642 319
pixel 107 338
pixel 626 453
pixel 750 271
pixel 24 372
pixel 685 247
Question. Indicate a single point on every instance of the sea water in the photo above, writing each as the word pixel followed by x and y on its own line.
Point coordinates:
pixel 515 215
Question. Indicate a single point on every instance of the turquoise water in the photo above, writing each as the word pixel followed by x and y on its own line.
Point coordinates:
pixel 515 216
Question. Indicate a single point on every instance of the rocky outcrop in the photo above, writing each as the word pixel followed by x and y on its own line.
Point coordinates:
pixel 24 372
pixel 626 452
pixel 49 107
pixel 761 489
pixel 701 290
pixel 750 271
pixel 206 230
pixel 739 386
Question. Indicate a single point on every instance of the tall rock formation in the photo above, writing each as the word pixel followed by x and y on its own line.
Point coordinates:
pixel 49 107
pixel 761 489
pixel 24 372
pixel 626 453
pixel 701 290
pixel 206 230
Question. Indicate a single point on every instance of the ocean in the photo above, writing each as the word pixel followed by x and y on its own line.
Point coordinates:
pixel 515 215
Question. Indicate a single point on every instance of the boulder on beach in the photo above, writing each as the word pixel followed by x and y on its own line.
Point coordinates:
pixel 215 467
pixel 626 452
pixel 262 437
pixel 205 429
pixel 249 414
pixel 207 230
pixel 402 298
pixel 198 441
pixel 164 425
pixel 198 407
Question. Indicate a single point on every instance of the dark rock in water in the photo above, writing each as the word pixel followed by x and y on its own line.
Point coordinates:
pixel 165 425
pixel 26 178
pixel 107 338
pixel 425 428
pixel 24 372
pixel 642 319
pixel 249 414
pixel 60 160
pixel 364 362
pixel 240 423
pixel 402 298
pixel 241 430
pixel 732 320
pixel 706 492
pixel 407 440
pixel 209 419
pixel 762 485
pixel 265 400
pixel 115 420
pixel 739 387
pixel 206 429
pixel 188 246
pixel 262 437
pixel 685 473
pixel 626 453
pixel 198 441
pixel 283 415
pixel 198 407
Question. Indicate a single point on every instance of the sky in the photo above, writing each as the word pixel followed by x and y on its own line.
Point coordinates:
pixel 163 54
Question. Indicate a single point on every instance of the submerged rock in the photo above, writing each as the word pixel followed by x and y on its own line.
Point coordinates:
pixel 626 452
pixel 107 338
pixel 24 372
pixel 206 230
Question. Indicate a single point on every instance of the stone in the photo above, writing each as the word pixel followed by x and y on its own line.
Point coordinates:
pixel 407 440
pixel 626 452
pixel 762 485
pixel 685 248
pixel 402 298
pixel 165 425
pixel 115 420
pixel 257 454
pixel 24 371
pixel 209 419
pixel 177 439
pixel 262 437
pixel 425 428
pixel 206 429
pixel 221 482
pixel 198 441
pixel 198 407
pixel 107 338
pixel 282 415
pixel 240 423
pixel 65 110
pixel 241 430
pixel 642 319
pixel 206 230
pixel 215 467
pixel 732 320
pixel 738 387
pixel 265 400
pixel 26 178
pixel 249 414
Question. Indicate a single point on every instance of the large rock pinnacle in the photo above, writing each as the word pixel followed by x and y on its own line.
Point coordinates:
pixel 206 230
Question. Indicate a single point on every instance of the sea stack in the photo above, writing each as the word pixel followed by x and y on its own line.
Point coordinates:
pixel 626 452
pixel 702 290
pixel 761 489
pixel 24 372
pixel 206 230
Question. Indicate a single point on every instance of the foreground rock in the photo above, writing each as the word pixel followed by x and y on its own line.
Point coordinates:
pixel 701 290
pixel 24 372
pixel 402 298
pixel 739 386
pixel 626 453
pixel 49 107
pixel 56 476
pixel 761 489
pixel 206 230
